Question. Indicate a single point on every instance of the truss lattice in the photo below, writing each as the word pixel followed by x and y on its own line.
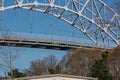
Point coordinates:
pixel 93 18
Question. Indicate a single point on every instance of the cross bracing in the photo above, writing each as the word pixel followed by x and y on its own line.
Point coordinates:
pixel 93 18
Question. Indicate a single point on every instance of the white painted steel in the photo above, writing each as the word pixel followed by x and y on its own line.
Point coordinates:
pixel 93 18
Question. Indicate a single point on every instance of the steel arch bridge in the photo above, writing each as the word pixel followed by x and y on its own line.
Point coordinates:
pixel 93 18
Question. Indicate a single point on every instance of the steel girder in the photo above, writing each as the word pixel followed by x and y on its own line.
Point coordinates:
pixel 93 18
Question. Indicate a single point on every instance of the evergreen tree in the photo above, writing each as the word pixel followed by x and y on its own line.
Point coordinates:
pixel 16 73
pixel 56 70
pixel 100 69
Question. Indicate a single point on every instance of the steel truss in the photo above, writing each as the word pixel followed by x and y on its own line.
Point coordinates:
pixel 93 18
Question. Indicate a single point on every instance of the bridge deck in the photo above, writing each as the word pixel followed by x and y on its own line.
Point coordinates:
pixel 41 41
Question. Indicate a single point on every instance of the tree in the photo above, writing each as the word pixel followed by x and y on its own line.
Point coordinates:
pixel 37 67
pixel 7 57
pixel 100 69
pixel 16 73
pixel 62 63
pixel 50 63
pixel 56 70
pixel 80 61
pixel 44 66
pixel 114 62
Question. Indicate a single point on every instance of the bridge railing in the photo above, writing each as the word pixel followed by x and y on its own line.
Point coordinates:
pixel 45 38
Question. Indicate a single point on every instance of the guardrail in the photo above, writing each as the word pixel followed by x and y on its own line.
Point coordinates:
pixel 45 38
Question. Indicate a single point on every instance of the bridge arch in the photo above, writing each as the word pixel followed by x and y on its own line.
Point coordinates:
pixel 93 18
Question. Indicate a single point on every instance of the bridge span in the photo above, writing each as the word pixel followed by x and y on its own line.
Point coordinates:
pixel 43 41
pixel 93 18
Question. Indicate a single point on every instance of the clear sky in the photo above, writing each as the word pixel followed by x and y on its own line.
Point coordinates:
pixel 26 21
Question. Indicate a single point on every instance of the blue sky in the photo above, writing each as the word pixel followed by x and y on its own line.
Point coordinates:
pixel 19 20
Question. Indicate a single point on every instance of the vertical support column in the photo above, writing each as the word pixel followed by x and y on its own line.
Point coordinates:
pixel 15 2
pixel 2 3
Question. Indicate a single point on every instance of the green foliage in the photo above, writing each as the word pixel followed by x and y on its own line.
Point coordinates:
pixel 80 60
pixel 56 70
pixel 16 73
pixel 51 70
pixel 45 66
pixel 100 68
pixel 83 62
